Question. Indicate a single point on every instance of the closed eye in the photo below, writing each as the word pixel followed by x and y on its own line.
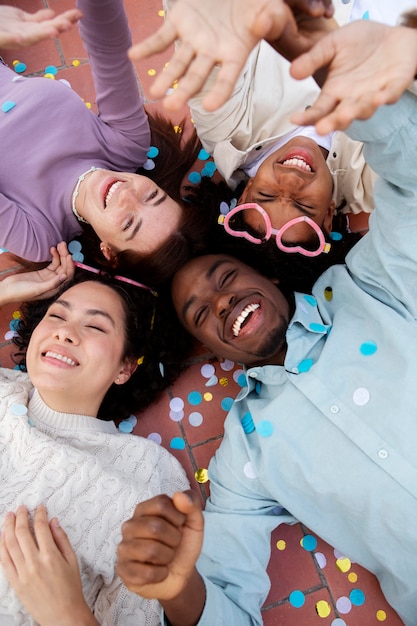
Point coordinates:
pixel 227 278
pixel 200 315
pixel 101 330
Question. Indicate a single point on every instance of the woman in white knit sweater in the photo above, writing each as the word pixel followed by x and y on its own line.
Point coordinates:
pixel 58 461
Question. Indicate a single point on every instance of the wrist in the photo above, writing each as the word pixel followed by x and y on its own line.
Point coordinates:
pixel 186 608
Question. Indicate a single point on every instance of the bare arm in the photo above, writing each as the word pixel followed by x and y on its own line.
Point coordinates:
pixel 39 284
pixel 157 555
pixel 216 32
pixel 42 568
pixel 19 28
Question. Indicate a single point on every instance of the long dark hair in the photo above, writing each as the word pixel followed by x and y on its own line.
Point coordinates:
pixel 152 334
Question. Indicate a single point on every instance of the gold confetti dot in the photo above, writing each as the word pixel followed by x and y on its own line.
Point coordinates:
pixel 381 616
pixel 15 62
pixel 352 577
pixel 175 84
pixel 224 381
pixel 48 75
pixel 178 129
pixel 328 293
pixel 151 72
pixel 201 475
pixel 161 13
pixel 343 564
pixel 16 315
pixel 281 544
pixel 323 608
pixel 88 105
pixel 208 397
pixel 140 360
pixel 76 63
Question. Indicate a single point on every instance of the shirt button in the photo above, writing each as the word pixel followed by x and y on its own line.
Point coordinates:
pixel 383 454
pixel 334 408
pixel 258 148
pixel 253 374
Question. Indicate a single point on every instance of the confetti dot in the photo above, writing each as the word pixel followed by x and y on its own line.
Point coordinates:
pixel 357 597
pixel 151 72
pixel 208 397
pixel 74 246
pixel 338 622
pixel 247 423
pixel 203 155
pixel 195 419
pixel 152 152
pixel 176 416
pixel 194 177
pixel 149 165
pixel 241 380
pixel 317 328
pixel 343 564
pixel 343 605
pixel 65 82
pixel 352 577
pixel 212 381
pixel 161 13
pixel 209 169
pixel 297 599
pixel 309 543
pixel 76 63
pixel 8 106
pixel 195 398
pixel 88 105
pixel 19 409
pixel 13 325
pixel 335 236
pixel 177 443
pixel 126 426
pixel 328 293
pixel 281 544
pixel 224 381
pixel 156 437
pixel 15 62
pixel 361 396
pixel 16 315
pixel 227 403
pixel 9 335
pixel 368 348
pixel 50 76
pixel 201 475
pixel 249 471
pixel 323 608
pixel 178 129
pixel 321 559
pixel 264 428
pixel 310 299
pixel 227 365
pixel 133 420
pixel 381 616
pixel 51 69
pixel 305 365
pixel 176 404
pixel 20 68
pixel 207 370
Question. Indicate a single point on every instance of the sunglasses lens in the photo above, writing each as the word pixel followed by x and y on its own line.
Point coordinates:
pixel 250 221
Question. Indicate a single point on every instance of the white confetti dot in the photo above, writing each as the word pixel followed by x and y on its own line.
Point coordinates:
pixel 227 365
pixel 156 437
pixel 249 471
pixel 195 418
pixel 361 396
pixel 176 404
pixel 176 416
pixel 321 559
pixel 207 370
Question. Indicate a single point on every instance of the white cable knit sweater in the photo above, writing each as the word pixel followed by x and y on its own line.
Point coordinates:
pixel 90 476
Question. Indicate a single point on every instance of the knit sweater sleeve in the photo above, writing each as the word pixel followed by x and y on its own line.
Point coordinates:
pixel 106 37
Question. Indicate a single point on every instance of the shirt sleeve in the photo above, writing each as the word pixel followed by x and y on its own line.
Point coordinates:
pixel 384 262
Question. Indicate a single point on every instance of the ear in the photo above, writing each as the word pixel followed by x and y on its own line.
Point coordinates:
pixel 245 192
pixel 328 218
pixel 108 253
pixel 129 367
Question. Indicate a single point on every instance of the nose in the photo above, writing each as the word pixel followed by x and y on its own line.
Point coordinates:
pixel 223 303
pixel 66 333
pixel 288 181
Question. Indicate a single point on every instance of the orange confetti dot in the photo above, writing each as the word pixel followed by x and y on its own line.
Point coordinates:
pixel 76 63
pixel 281 544
pixel 323 608
pixel 381 616
pixel 201 475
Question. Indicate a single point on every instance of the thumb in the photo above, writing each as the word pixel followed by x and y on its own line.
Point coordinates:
pixel 188 503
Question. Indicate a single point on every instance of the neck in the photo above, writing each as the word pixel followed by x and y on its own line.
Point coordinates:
pixel 69 403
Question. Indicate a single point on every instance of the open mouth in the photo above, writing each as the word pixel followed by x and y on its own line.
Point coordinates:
pixel 111 190
pixel 299 162
pixel 243 318
pixel 59 357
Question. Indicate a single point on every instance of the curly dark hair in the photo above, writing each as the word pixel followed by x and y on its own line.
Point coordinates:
pixel 151 331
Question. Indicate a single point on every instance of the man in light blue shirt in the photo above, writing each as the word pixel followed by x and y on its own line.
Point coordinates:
pixel 325 431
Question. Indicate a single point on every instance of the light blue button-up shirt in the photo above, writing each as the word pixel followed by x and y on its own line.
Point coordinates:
pixel 330 438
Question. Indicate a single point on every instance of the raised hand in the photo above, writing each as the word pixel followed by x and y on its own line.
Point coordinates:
pixel 42 568
pixel 381 69
pixel 19 28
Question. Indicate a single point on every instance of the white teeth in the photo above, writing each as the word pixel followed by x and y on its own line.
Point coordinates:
pixel 241 318
pixel 113 188
pixel 297 162
pixel 60 357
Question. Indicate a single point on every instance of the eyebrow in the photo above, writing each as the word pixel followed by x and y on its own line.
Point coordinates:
pixel 67 305
pixel 207 276
pixel 160 200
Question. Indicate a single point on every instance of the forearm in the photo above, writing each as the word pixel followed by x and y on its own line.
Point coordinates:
pixel 187 607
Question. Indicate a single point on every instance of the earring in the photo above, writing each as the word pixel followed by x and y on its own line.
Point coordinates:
pixel 117 380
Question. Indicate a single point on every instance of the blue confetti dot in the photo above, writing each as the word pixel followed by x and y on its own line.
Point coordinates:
pixel 310 299
pixel 177 443
pixel 264 428
pixel 203 155
pixel 209 169
pixel 309 543
pixel 126 426
pixel 368 348
pixel 149 165
pixel 19 409
pixel 20 68
pixel 227 403
pixel 247 423
pixel 305 365
pixel 152 152
pixel 74 246
pixel 14 324
pixel 78 256
pixel 365 16
pixel 335 236
pixel 194 177
pixel 357 597
pixel 318 328
pixel 242 380
pixel 195 398
pixel 258 387
pixel 51 69
pixel 296 599
pixel 8 106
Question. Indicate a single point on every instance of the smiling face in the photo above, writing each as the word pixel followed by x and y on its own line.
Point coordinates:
pixel 291 182
pixel 76 351
pixel 127 211
pixel 232 309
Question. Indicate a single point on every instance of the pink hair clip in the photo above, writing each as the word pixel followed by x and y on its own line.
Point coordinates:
pixel 122 279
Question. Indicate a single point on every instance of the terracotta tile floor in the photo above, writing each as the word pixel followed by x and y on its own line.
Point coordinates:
pixel 311 582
